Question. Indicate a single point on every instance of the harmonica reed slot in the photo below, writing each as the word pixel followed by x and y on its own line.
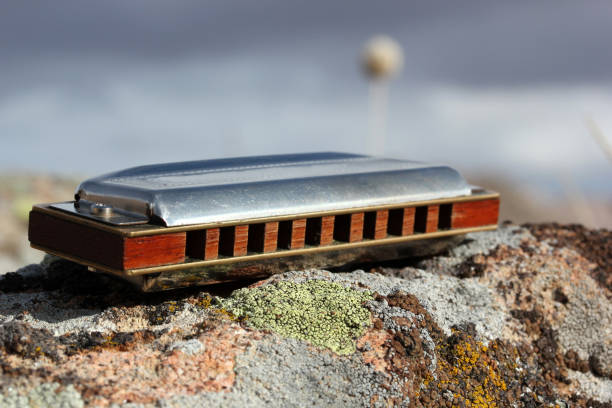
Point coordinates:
pixel 420 219
pixel 226 241
pixel 313 231
pixel 444 217
pixel 196 243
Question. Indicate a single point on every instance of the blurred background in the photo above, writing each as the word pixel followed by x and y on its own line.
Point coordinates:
pixel 517 95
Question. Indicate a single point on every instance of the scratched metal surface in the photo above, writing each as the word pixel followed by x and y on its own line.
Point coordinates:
pixel 258 187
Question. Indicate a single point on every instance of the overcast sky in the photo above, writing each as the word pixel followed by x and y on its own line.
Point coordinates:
pixel 503 86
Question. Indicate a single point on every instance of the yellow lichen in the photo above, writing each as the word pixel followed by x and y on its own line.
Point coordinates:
pixel 468 358
pixel 206 302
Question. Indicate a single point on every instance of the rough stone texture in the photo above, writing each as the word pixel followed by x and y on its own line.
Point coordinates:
pixel 518 317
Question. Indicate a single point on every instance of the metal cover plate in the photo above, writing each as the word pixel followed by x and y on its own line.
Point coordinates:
pixel 117 217
pixel 227 190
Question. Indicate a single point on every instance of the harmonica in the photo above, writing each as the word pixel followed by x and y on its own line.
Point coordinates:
pixel 173 225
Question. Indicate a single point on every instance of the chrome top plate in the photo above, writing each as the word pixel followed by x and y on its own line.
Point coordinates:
pixel 226 190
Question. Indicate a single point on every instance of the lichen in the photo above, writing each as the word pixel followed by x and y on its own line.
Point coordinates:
pixel 475 375
pixel 468 358
pixel 324 313
pixel 205 301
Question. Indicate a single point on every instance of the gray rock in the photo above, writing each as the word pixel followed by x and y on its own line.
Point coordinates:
pixel 44 395
pixel 190 347
pixel 279 372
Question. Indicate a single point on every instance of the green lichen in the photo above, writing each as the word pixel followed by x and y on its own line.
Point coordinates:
pixel 324 313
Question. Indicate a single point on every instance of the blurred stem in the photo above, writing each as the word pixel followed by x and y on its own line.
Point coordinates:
pixel 378 101
pixel 599 137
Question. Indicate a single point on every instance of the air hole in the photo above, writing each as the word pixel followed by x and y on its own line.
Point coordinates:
pixel 256 237
pixel 196 242
pixel 313 231
pixel 369 225
pixel 444 217
pixel 285 229
pixel 396 221
pixel 420 219
pixel 342 227
pixel 226 241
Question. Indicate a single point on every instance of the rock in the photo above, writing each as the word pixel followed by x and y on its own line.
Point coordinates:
pixel 46 395
pixel 189 347
pixel 521 316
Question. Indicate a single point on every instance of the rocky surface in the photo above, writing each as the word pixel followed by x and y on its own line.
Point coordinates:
pixel 517 317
